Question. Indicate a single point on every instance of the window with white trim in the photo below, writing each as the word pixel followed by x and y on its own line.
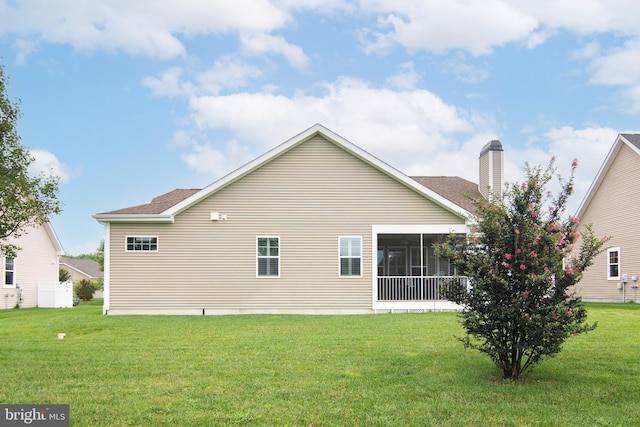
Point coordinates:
pixel 142 243
pixel 268 256
pixel 9 267
pixel 613 264
pixel 350 256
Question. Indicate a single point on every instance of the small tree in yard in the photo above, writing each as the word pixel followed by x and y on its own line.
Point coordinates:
pixel 85 288
pixel 521 263
pixel 63 275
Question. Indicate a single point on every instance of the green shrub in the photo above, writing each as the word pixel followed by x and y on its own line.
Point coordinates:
pixel 84 289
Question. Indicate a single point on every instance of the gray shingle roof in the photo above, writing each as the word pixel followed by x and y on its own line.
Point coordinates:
pixel 87 266
pixel 452 188
pixel 633 138
pixel 158 204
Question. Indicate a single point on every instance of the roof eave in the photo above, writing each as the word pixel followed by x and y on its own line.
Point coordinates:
pixel 53 236
pixel 602 172
pixel 84 273
pixel 123 218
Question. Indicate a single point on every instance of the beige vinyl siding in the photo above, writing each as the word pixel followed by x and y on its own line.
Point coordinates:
pixel 36 262
pixel 612 212
pixel 308 197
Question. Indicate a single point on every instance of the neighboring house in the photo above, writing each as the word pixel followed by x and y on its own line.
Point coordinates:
pixel 36 263
pixel 316 225
pixel 80 268
pixel 610 205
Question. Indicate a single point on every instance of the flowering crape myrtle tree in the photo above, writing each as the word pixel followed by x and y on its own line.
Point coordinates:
pixel 520 262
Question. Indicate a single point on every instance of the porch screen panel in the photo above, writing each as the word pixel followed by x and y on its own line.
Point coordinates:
pixel 381 263
pixel 397 261
pixel 418 261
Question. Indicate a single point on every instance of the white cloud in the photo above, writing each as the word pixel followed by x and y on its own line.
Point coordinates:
pixel 406 78
pixel 408 129
pixel 618 66
pixel 183 138
pixel 588 51
pixel 206 158
pixel 322 6
pixel 151 28
pixel 474 26
pixel 587 17
pixel 142 27
pixel 538 37
pixel 168 84
pixel 48 164
pixel 25 47
pixel 347 104
pixel 459 66
pixel 226 73
pixel 259 44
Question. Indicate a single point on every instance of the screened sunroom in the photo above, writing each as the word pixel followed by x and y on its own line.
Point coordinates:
pixel 410 275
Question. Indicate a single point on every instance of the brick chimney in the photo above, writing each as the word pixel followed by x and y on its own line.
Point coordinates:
pixel 491 169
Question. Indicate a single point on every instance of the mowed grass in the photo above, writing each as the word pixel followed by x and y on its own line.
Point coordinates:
pixel 284 370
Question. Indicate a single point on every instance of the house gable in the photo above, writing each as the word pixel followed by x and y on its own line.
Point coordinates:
pixel 177 201
pixel 632 143
pixel 608 206
pixel 318 178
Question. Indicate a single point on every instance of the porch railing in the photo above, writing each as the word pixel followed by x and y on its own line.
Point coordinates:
pixel 427 288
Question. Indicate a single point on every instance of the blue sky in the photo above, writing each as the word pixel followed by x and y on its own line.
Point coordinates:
pixel 128 100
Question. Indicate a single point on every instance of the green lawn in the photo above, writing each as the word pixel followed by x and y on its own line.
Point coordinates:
pixel 269 370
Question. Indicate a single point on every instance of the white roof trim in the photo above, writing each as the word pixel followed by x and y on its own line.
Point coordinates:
pixel 161 218
pixel 613 152
pixel 54 238
pixel 314 130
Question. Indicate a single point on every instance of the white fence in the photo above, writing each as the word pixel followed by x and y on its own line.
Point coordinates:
pixel 55 295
